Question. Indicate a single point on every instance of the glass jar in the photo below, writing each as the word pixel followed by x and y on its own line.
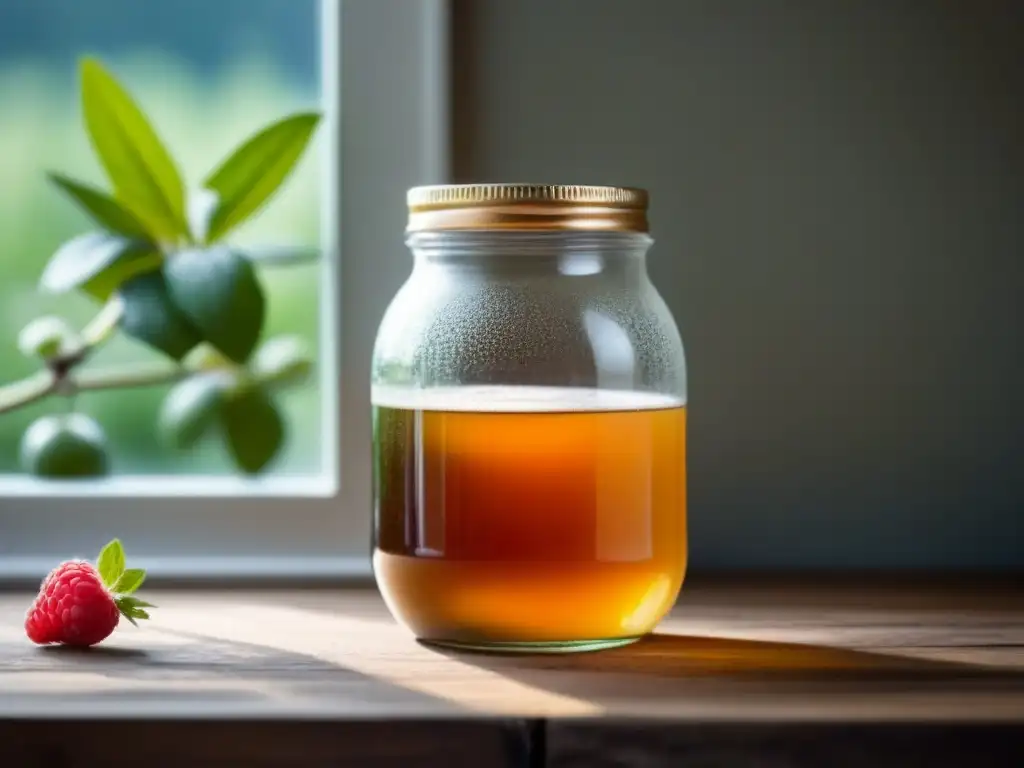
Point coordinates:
pixel 529 398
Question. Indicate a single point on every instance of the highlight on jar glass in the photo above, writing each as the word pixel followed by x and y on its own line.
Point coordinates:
pixel 529 423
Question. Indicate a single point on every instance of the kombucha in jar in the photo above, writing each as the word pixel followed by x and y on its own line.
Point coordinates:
pixel 529 419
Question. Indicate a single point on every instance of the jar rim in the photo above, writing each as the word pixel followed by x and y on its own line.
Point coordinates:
pixel 527 207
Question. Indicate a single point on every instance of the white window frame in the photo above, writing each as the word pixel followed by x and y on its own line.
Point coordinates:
pixel 385 76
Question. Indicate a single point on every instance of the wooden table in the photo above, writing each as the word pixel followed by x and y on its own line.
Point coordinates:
pixel 746 672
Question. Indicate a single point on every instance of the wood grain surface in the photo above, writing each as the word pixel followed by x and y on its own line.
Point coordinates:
pixel 786 666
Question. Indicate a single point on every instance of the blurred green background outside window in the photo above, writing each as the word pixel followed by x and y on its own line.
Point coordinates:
pixel 208 73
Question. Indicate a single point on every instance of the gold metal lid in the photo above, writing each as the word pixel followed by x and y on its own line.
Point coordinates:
pixel 529 207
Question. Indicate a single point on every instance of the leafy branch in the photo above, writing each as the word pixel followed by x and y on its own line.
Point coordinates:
pixel 46 383
pixel 162 271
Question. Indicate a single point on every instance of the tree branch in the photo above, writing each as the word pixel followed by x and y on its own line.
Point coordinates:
pixel 42 385
pixel 27 391
pixel 128 377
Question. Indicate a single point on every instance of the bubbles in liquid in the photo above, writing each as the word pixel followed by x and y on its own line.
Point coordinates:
pixel 505 399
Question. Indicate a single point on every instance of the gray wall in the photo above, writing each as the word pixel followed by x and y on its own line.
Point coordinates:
pixel 838 202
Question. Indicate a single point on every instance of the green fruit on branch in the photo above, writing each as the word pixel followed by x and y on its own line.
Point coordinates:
pixel 217 290
pixel 64 446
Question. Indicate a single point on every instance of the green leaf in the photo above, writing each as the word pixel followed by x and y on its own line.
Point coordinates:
pixel 152 317
pixel 144 176
pixel 282 361
pixel 132 608
pixel 46 337
pixel 129 581
pixel 110 563
pixel 134 602
pixel 191 408
pixel 107 282
pixel 85 257
pixel 218 291
pixel 254 429
pixel 247 179
pixel 105 209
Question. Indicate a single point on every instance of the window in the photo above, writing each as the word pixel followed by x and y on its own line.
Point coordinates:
pixel 205 87
pixel 209 75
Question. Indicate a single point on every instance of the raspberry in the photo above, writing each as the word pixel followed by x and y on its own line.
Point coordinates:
pixel 73 607
pixel 79 604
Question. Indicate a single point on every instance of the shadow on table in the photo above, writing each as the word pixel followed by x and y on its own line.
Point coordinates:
pixel 671 663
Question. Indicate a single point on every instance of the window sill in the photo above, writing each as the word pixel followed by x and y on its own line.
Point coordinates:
pixel 171 487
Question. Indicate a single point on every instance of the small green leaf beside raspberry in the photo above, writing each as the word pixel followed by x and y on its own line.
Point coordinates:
pixel 129 581
pixel 110 563
pixel 132 608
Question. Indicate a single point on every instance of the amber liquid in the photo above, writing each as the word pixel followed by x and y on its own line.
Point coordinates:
pixel 511 515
